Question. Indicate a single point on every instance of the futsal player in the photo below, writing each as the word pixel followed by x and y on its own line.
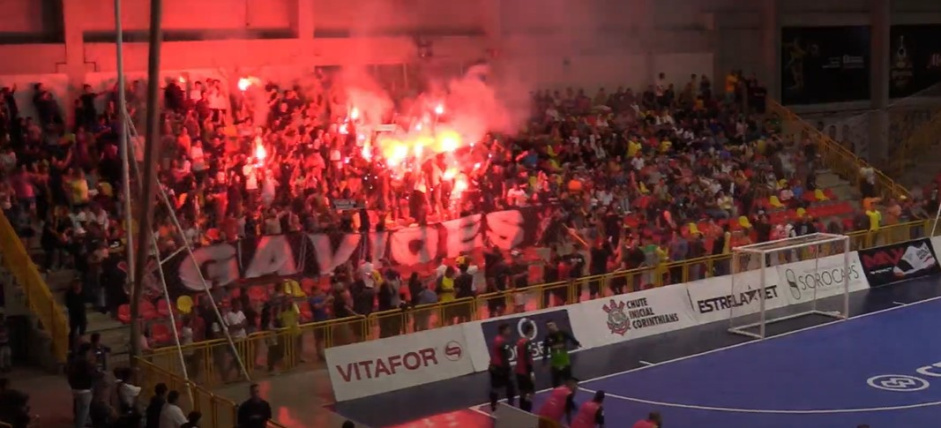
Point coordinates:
pixel 556 352
pixel 561 403
pixel 591 413
pixel 525 376
pixel 500 352
pixel 653 421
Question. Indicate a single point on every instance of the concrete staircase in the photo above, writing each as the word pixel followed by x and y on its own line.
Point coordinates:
pixel 113 333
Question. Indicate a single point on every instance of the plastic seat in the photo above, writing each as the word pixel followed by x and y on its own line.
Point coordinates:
pixel 148 311
pixel 163 309
pixel 184 304
pixel 820 196
pixel 124 313
pixel 257 293
pixel 743 221
pixel 775 202
pixel 160 333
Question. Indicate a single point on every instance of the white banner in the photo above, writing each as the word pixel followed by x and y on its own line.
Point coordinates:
pixel 394 363
pixel 819 278
pixel 714 299
pixel 616 319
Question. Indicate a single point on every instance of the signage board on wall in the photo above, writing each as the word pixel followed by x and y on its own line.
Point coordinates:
pixel 824 64
pixel 914 58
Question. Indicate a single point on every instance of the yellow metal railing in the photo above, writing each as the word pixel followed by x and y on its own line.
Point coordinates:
pixel 917 144
pixel 212 363
pixel 39 299
pixel 839 159
pixel 218 412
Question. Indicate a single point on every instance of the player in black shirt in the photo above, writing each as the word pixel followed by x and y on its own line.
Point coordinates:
pixel 525 377
pixel 500 353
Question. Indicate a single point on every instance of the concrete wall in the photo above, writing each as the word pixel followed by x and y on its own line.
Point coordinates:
pixel 546 41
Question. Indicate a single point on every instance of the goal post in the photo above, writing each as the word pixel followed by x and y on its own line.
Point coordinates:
pixel 787 279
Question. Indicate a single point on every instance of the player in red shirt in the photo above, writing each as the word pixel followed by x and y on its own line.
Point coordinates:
pixel 653 421
pixel 500 352
pixel 525 377
pixel 561 403
pixel 591 414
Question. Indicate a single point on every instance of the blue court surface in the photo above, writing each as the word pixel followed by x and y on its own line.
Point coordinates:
pixel 877 369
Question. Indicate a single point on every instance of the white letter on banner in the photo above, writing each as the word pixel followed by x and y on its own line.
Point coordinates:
pixel 505 228
pixel 377 245
pixel 463 235
pixel 370 368
pixel 327 258
pixel 273 255
pixel 217 263
pixel 414 245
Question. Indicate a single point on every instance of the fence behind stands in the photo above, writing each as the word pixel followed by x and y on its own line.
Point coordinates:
pixel 218 412
pixel 838 158
pixel 210 363
pixel 916 145
pixel 39 299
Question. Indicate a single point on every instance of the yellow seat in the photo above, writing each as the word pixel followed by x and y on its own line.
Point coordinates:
pixel 820 196
pixel 694 229
pixel 184 304
pixel 775 202
pixel 801 213
pixel 743 221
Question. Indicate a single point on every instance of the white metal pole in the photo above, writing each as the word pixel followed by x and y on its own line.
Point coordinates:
pixel 162 193
pixel 733 265
pixel 934 227
pixel 846 277
pixel 761 298
pixel 176 333
pixel 125 157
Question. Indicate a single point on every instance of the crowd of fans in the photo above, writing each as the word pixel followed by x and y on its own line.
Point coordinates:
pixel 678 171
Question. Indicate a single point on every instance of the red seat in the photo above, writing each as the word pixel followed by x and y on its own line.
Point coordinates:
pixel 257 294
pixel 124 313
pixel 160 333
pixel 306 314
pixel 148 311
pixel 162 308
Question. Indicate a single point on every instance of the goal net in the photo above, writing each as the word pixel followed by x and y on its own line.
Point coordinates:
pixel 787 279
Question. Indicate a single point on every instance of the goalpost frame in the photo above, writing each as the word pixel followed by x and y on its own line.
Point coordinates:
pixel 762 250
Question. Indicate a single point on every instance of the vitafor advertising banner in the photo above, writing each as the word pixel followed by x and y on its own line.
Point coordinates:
pixel 824 64
pixel 370 368
pixel 897 262
pixel 824 277
pixel 914 58
pixel 715 299
pixel 630 316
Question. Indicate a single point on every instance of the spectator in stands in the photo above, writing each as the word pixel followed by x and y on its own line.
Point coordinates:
pixel 193 420
pixel 75 305
pixel 82 376
pixel 254 412
pixel 155 407
pixel 172 416
pixel 14 406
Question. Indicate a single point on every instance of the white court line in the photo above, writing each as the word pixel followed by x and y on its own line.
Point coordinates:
pixel 476 409
pixel 899 303
pixel 738 345
pixel 768 411
pixel 646 363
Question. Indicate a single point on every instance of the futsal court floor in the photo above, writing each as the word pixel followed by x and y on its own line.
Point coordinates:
pixel 878 368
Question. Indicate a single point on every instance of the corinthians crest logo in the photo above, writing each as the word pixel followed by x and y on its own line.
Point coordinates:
pixel 618 321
